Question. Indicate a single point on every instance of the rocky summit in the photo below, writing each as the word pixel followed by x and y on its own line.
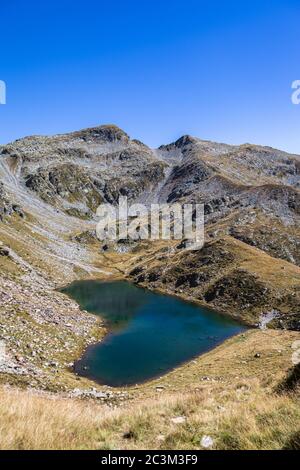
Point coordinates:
pixel 50 188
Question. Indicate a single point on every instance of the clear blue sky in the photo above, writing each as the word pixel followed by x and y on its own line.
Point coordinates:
pixel 218 70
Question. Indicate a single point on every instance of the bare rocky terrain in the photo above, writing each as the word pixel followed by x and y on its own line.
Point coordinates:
pixel 50 188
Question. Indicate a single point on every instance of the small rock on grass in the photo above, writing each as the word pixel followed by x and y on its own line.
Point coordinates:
pixel 207 442
pixel 178 420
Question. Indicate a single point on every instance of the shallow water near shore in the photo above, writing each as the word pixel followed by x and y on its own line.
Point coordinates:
pixel 149 333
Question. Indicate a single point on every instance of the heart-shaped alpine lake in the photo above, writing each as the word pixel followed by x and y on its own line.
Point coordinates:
pixel 149 333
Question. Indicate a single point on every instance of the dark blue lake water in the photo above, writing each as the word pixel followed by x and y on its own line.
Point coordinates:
pixel 150 333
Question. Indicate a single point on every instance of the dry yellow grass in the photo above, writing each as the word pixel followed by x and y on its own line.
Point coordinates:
pixel 241 417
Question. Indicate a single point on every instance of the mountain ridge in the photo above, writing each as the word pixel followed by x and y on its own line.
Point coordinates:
pixel 75 172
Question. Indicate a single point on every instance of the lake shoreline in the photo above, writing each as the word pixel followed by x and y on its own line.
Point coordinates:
pixel 199 314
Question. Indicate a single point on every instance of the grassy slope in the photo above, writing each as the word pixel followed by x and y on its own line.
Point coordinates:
pixel 31 422
pixel 222 264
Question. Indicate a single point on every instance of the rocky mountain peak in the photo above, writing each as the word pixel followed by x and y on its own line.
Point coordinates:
pixel 185 140
pixel 107 132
